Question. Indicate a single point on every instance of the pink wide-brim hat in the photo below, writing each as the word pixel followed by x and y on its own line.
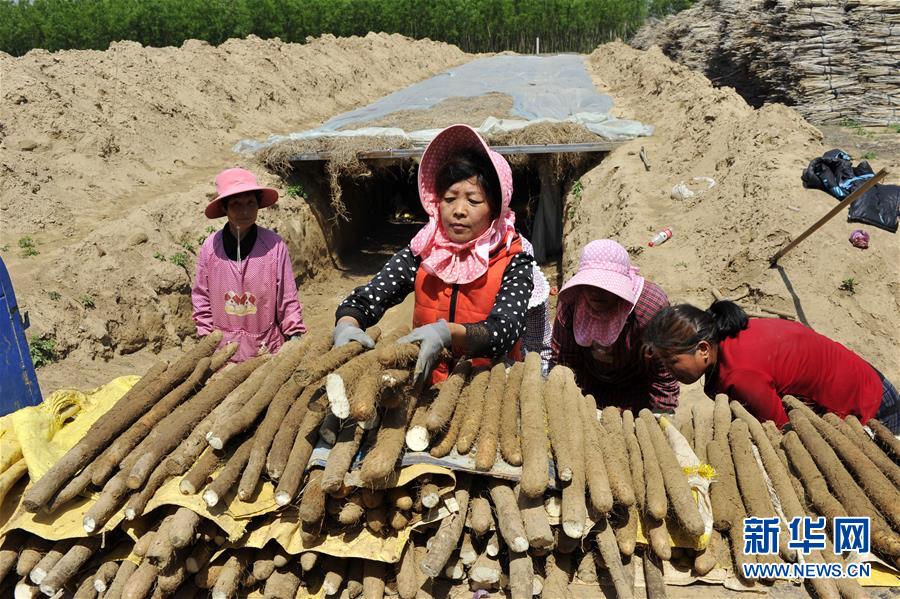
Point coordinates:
pixel 605 264
pixel 233 181
pixel 450 142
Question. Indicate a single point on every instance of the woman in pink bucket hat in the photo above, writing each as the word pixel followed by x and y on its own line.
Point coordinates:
pixel 244 284
pixel 471 279
pixel 598 331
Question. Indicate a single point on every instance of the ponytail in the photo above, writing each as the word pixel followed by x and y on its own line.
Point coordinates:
pixel 679 329
pixel 730 319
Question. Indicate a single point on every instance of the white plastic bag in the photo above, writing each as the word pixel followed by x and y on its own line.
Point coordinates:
pixel 697 187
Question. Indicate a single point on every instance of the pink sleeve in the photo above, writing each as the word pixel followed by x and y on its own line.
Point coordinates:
pixel 202 314
pixel 289 308
pixel 756 391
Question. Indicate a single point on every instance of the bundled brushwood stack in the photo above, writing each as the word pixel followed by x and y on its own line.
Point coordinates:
pixel 830 60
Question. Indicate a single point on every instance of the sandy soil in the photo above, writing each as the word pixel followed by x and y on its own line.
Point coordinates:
pixel 108 159
pixel 725 237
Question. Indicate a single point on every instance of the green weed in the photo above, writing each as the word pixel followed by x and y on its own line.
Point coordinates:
pixel 188 246
pixel 42 351
pixel 895 127
pixel 577 189
pixel 28 247
pixel 160 256
pixel 54 295
pixel 848 285
pixel 296 191
pixel 856 127
pixel 179 259
pixel 4 247
pixel 87 301
pixel 868 155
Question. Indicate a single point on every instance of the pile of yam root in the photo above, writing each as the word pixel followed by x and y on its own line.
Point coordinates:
pixel 589 482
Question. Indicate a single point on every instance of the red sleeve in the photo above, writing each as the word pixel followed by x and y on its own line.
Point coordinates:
pixel 756 391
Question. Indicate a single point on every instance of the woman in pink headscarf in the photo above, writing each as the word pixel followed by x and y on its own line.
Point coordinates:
pixel 598 332
pixel 471 279
pixel 244 285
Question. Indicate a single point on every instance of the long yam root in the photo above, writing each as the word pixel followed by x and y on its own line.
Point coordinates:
pixel 509 519
pixel 108 461
pixel 559 424
pixel 175 427
pixel 535 461
pixel 341 457
pixel 510 442
pixel 616 456
pixel 381 460
pixel 289 483
pixel 446 539
pixel 225 482
pixel 281 367
pixel 475 396
pixel 280 450
pixel 656 503
pixel 866 445
pixel 488 436
pixel 128 409
pixel 441 410
pixel 677 489
pixel 574 508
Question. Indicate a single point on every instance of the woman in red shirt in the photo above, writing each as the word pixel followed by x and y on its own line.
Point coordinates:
pixel 758 361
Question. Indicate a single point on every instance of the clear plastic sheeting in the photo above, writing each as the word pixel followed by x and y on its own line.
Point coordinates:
pixel 544 89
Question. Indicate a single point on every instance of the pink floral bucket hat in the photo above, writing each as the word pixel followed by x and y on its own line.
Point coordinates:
pixel 233 181
pixel 605 265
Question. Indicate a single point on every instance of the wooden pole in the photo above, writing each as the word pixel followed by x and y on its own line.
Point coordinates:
pixel 773 261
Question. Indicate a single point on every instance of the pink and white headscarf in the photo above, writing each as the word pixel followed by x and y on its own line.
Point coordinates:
pixel 604 264
pixel 459 263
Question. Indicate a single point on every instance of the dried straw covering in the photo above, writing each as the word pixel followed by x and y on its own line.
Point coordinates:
pixel 344 160
pixel 344 152
pixel 831 59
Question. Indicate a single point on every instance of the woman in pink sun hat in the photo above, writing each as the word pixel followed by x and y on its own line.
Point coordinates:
pixel 598 333
pixel 244 284
pixel 472 281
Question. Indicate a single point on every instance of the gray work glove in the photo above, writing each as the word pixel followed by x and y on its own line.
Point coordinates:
pixel 432 339
pixel 344 333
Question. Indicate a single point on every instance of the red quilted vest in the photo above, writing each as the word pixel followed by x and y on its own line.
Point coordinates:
pixel 471 302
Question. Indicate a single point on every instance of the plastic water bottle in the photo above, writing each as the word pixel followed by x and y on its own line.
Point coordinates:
pixel 661 237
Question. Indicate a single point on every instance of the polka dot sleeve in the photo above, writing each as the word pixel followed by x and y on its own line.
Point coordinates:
pixel 496 336
pixel 396 280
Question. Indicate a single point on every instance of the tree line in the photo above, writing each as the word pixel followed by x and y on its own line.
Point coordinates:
pixel 473 25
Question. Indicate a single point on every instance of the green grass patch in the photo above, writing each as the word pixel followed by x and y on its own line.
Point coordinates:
pixel 42 351
pixel 179 259
pixel 28 246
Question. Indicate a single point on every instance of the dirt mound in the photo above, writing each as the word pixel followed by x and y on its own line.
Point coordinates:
pixel 724 237
pixel 108 158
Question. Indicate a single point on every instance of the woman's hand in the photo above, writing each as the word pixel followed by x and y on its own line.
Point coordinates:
pixel 347 330
pixel 433 339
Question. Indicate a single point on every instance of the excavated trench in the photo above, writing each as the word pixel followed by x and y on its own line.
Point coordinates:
pixel 383 212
